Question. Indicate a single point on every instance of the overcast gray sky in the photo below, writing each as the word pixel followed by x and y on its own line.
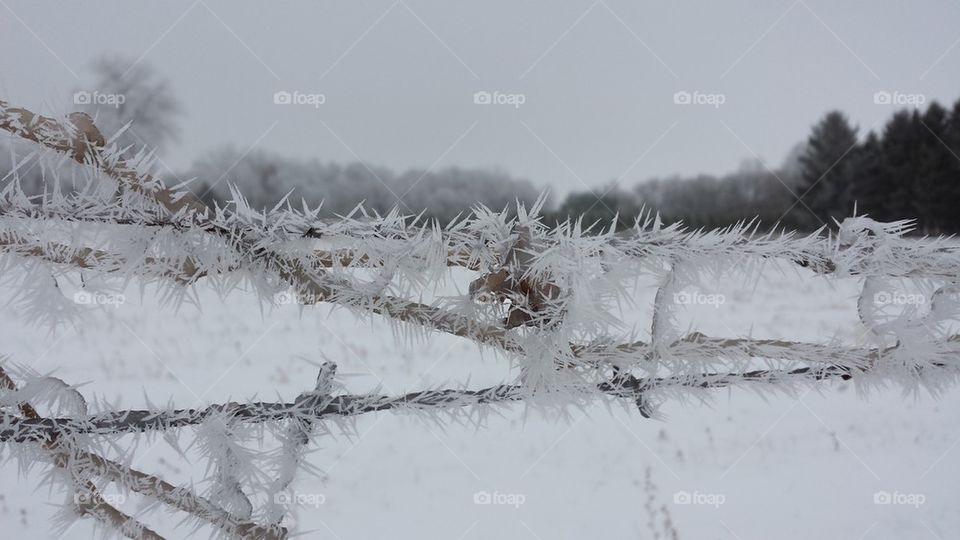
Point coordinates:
pixel 598 78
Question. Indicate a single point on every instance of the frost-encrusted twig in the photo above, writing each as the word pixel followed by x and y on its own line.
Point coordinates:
pixel 79 138
pixel 88 501
pixel 229 462
pixel 88 258
pixel 86 497
pixel 295 439
pixel 181 498
pixel 82 464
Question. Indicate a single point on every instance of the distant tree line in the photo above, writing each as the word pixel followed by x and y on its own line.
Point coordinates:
pixel 911 169
pixel 264 178
pixel 700 201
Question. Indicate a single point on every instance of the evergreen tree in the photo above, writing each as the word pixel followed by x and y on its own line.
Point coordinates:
pixel 893 185
pixel 950 189
pixel 934 170
pixel 826 171
pixel 869 195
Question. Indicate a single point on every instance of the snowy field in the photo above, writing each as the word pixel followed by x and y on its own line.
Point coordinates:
pixel 740 467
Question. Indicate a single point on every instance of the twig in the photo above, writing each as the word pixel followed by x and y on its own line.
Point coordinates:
pixel 139 482
pixel 87 498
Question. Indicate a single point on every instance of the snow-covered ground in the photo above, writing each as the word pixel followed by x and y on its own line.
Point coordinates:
pixel 740 467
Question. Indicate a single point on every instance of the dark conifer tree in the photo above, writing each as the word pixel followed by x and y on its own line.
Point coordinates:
pixel 894 184
pixel 869 195
pixel 827 170
pixel 934 170
pixel 950 189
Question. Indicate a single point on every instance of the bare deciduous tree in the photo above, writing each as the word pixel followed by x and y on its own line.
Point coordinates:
pixel 135 96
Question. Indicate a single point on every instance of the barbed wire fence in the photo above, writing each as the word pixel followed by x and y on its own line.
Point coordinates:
pixel 544 298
